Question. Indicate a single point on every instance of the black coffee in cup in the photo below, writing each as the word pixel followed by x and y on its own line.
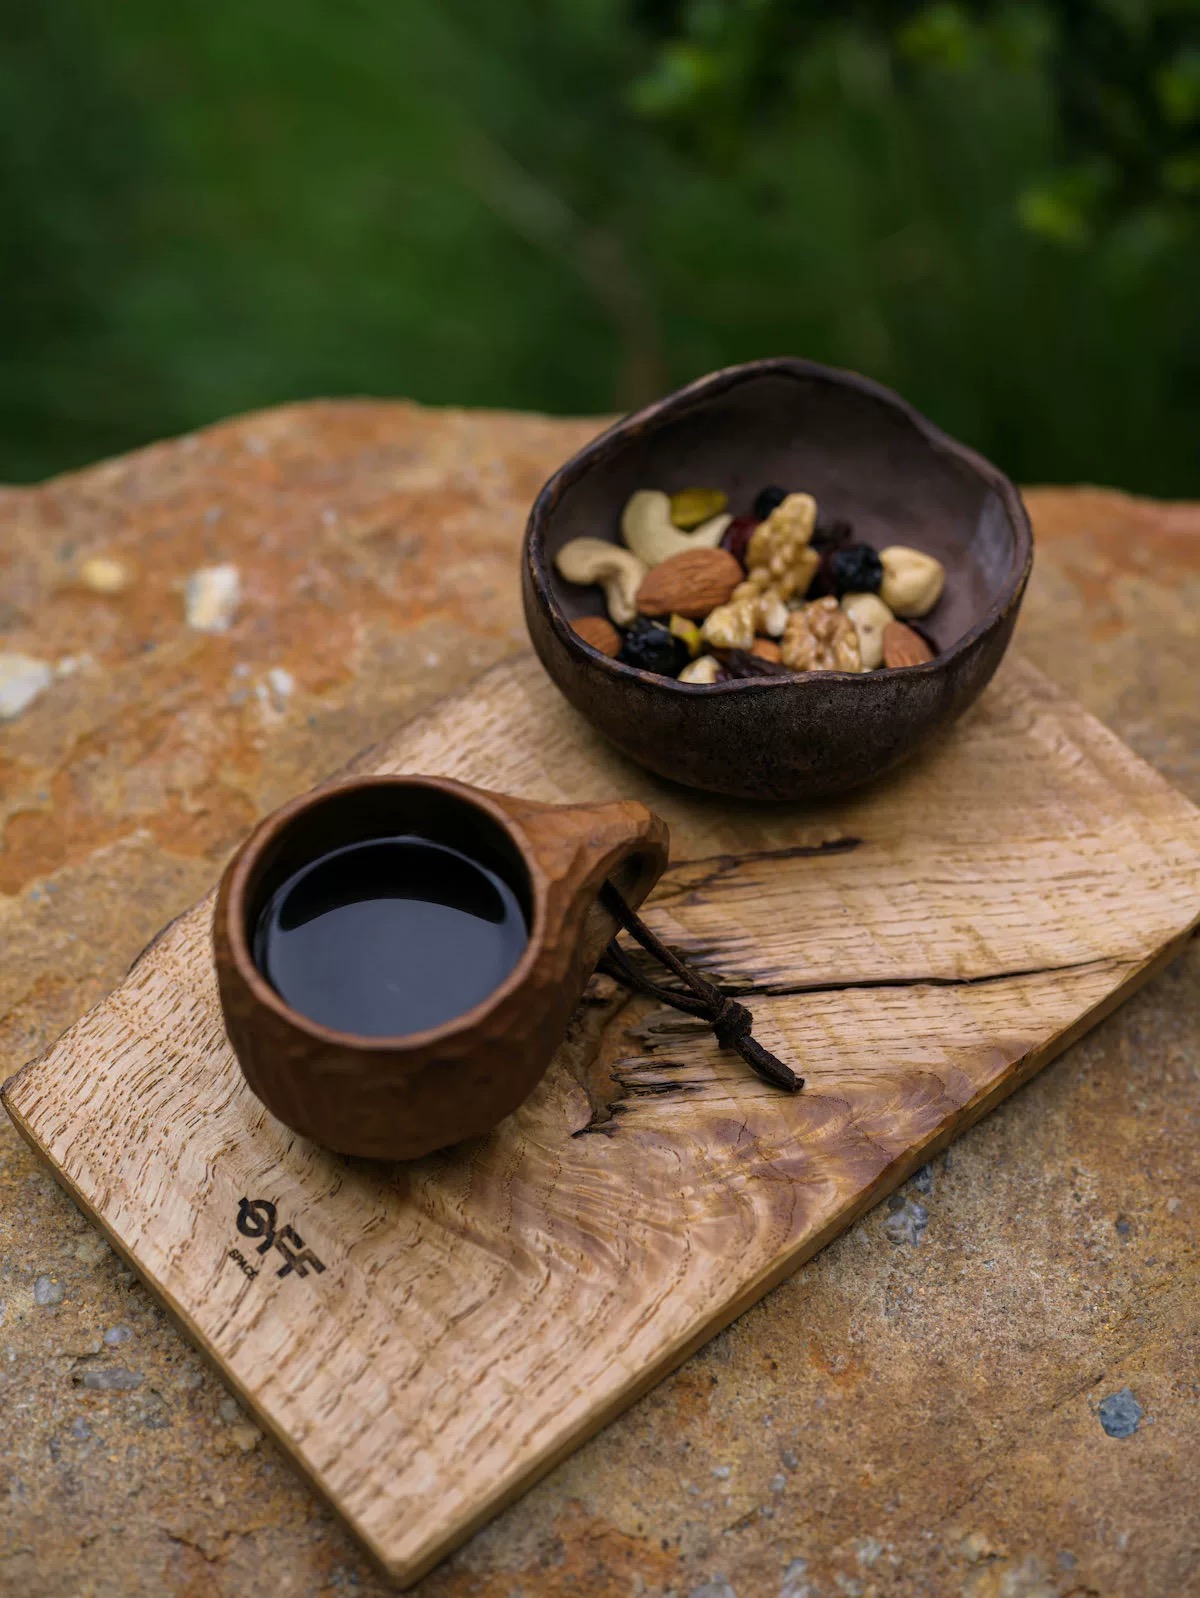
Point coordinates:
pixel 389 936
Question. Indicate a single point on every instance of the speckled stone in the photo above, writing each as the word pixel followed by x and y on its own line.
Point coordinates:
pixel 909 1415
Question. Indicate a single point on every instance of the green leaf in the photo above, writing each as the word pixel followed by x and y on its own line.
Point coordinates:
pixel 1064 206
pixel 941 36
pixel 684 75
pixel 1178 88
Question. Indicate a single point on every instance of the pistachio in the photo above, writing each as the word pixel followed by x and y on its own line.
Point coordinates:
pixel 706 669
pixel 683 628
pixel 618 572
pixel 648 530
pixel 870 616
pixel 691 506
pixel 912 582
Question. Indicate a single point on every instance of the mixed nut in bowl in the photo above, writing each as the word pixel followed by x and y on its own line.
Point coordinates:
pixel 775 583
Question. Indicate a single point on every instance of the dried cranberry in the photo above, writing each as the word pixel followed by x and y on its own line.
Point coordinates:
pixel 650 647
pixel 855 569
pixel 822 583
pixel 829 536
pixel 737 535
pixel 767 499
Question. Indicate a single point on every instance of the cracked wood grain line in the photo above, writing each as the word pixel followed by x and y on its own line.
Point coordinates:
pixel 917 951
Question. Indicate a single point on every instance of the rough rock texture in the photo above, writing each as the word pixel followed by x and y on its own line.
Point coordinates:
pixel 988 1387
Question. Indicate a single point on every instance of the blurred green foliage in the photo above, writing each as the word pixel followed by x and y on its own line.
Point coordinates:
pixel 574 205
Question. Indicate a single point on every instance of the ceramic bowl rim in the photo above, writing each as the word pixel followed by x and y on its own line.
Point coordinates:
pixel 693 395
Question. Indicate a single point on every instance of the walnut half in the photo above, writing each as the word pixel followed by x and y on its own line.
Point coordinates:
pixel 821 637
pixel 778 556
pixel 735 625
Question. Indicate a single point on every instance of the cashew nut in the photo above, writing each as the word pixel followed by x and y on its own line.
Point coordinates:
pixel 618 572
pixel 912 582
pixel 648 530
pixel 707 669
pixel 870 616
pixel 772 614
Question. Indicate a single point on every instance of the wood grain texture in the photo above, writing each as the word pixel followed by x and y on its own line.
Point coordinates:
pixel 917 952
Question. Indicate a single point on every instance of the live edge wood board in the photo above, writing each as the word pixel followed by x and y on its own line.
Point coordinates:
pixel 451 1328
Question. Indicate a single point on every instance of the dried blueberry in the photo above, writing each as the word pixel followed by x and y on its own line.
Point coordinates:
pixel 828 536
pixel 855 569
pixel 737 536
pixel 767 499
pixel 650 647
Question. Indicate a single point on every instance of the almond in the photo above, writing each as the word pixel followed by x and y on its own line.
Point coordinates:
pixel 689 584
pixel 903 647
pixel 766 649
pixel 599 632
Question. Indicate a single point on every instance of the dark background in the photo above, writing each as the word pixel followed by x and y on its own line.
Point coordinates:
pixel 574 205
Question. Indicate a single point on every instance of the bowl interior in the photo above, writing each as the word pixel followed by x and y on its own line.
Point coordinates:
pixel 861 454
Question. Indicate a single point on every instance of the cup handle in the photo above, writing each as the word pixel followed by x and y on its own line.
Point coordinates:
pixel 579 847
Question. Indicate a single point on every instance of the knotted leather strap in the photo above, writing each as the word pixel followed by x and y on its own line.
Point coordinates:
pixel 731 1021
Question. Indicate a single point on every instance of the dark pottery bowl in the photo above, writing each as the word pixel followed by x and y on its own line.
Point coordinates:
pixel 867 457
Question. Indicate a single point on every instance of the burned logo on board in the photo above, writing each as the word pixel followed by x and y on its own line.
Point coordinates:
pixel 258 1219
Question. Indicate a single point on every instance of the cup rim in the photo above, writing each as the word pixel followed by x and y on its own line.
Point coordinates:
pixel 279 821
pixel 692 396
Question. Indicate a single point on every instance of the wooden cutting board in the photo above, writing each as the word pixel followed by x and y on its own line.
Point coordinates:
pixel 426 1340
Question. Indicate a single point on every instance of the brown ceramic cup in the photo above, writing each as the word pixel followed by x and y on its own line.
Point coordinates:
pixel 400 1097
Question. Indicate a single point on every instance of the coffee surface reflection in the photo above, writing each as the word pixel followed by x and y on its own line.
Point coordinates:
pixel 389 936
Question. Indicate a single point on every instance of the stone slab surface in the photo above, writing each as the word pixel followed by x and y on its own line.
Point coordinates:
pixel 931 1406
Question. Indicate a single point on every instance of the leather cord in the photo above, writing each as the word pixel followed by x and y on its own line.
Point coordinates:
pixel 731 1021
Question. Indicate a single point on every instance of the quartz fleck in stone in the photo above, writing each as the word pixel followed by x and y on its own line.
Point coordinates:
pixel 211 597
pixel 107 1379
pixel 22 679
